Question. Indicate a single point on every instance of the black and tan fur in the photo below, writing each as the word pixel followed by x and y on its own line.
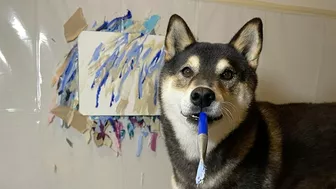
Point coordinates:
pixel 251 144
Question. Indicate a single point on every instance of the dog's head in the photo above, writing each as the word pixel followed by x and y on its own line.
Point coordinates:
pixel 219 79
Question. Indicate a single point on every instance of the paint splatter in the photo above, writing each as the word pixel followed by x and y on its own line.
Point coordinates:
pixel 67 83
pixel 140 145
pixel 153 141
pixel 69 142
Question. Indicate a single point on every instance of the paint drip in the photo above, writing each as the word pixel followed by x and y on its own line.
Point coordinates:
pixel 153 141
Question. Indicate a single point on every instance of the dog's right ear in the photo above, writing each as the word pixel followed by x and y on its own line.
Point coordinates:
pixel 178 37
pixel 248 41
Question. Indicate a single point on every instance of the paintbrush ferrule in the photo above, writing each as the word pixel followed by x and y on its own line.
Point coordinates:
pixel 202 145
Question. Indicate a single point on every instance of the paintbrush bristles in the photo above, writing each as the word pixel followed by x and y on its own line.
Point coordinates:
pixel 200 173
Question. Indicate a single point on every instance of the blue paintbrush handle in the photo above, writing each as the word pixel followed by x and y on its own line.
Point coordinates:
pixel 203 124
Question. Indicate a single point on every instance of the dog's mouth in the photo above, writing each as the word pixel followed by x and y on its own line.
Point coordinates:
pixel 194 118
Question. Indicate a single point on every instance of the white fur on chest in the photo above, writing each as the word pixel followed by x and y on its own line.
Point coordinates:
pixel 221 176
pixel 187 136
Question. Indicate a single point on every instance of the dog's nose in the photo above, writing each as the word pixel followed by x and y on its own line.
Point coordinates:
pixel 202 97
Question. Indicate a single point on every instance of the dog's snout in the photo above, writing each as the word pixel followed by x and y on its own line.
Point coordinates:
pixel 202 97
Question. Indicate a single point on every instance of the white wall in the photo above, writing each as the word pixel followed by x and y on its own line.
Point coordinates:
pixel 324 4
pixel 297 65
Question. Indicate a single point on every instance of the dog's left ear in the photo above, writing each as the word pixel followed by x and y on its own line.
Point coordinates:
pixel 248 41
pixel 178 37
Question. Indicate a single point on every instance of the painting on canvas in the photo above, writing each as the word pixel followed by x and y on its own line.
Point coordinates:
pixel 119 73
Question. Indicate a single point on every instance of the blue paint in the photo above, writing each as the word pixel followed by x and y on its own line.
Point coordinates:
pixel 154 63
pixel 140 82
pixel 94 24
pixel 121 41
pixel 200 175
pixel 116 24
pixel 102 27
pixel 110 119
pixel 68 74
pixel 156 87
pixel 100 86
pixel 128 24
pixel 122 82
pixel 139 149
pixel 132 64
pixel 112 99
pixel 96 53
pixel 147 52
pixel 109 64
pixel 150 23
pixel 72 97
pixel 109 61
pixel 113 125
pixel 73 75
pixel 133 53
pixel 119 59
pixel 144 131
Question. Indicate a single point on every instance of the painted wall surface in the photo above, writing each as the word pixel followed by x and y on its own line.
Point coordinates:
pixel 324 4
pixel 297 64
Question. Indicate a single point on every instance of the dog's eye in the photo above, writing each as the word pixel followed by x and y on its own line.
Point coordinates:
pixel 227 75
pixel 187 72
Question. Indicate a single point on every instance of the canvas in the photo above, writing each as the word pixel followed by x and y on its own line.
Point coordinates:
pixel 119 73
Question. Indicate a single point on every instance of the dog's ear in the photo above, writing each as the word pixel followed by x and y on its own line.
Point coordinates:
pixel 248 41
pixel 178 36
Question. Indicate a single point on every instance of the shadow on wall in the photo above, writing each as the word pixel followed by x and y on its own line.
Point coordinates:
pixel 270 88
pixel 273 88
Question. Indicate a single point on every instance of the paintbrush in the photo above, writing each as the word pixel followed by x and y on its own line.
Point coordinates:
pixel 202 146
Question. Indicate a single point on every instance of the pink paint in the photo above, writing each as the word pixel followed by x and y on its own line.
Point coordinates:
pixel 133 121
pixel 51 116
pixel 118 128
pixel 153 141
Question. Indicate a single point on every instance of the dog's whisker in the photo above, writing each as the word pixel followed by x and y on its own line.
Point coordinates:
pixel 228 113
pixel 228 110
pixel 224 113
pixel 230 104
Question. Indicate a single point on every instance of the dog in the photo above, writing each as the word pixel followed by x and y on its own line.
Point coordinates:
pixel 252 145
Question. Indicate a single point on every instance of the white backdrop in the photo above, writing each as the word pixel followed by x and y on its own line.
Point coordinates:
pixel 297 65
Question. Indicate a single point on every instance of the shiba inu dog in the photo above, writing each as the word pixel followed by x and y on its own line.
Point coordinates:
pixel 251 144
